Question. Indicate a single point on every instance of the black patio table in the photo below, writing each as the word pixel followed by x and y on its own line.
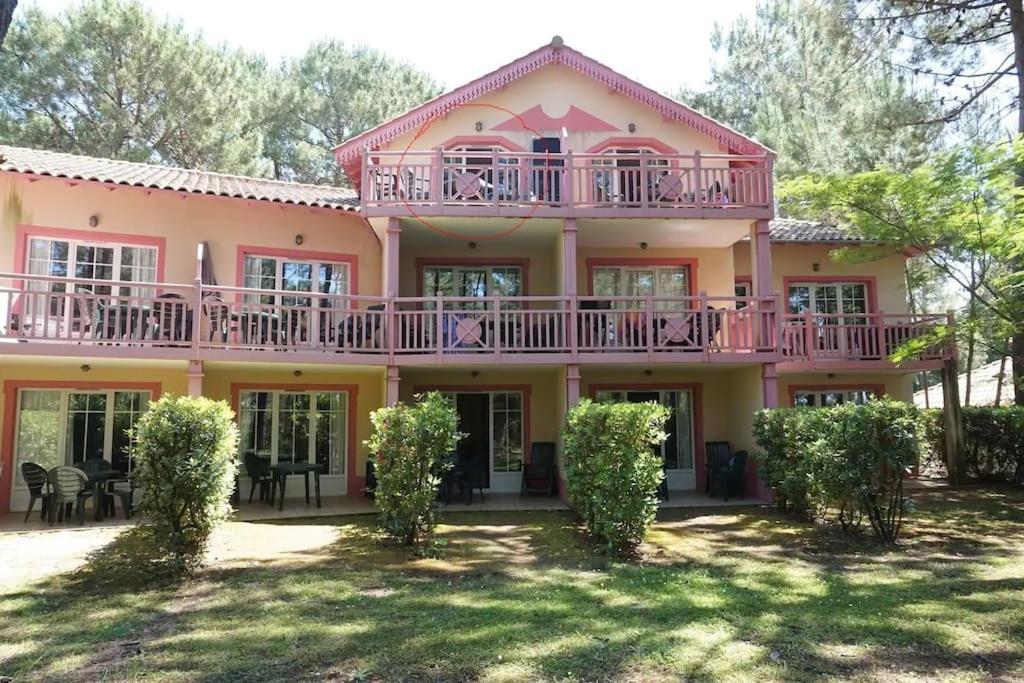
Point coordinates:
pixel 100 478
pixel 281 471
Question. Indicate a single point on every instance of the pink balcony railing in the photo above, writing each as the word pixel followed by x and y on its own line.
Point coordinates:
pixel 565 184
pixel 190 320
pixel 862 337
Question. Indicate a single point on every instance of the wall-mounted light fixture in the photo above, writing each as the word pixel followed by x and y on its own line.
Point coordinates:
pixel 631 127
pixel 815 267
pixel 85 368
pixel 297 373
pixel 648 372
pixel 643 245
pixel 479 126
pixel 299 239
pixel 94 220
pixel 474 374
pixel 472 245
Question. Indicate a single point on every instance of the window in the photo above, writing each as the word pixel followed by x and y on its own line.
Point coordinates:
pixel 293 275
pixel 64 427
pixel 473 281
pixel 828 398
pixel 92 261
pixel 627 183
pixel 742 288
pixel 677 449
pixel 507 431
pixel 295 426
pixel 657 281
pixel 830 301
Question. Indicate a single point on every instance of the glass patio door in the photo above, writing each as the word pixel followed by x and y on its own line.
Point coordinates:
pixel 839 314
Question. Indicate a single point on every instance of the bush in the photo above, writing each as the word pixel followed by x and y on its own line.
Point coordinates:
pixel 850 458
pixel 612 474
pixel 185 460
pixel 410 447
pixel 993 441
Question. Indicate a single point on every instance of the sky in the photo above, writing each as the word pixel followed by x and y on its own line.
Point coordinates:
pixel 461 40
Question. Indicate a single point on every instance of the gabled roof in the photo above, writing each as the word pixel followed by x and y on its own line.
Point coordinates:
pixel 555 52
pixel 76 167
pixel 793 230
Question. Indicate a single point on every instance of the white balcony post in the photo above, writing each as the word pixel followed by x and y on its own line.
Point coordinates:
pixel 195 378
pixel 392 240
pixel 393 382
pixel 698 182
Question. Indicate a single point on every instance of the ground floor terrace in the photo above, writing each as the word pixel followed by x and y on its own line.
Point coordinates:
pixel 66 411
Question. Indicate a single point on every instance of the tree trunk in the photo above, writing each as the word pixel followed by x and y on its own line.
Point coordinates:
pixel 1000 379
pixel 1016 8
pixel 6 15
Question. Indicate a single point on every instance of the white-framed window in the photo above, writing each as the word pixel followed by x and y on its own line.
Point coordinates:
pixel 628 183
pixel 293 275
pixel 677 449
pixel 742 288
pixel 640 281
pixel 473 281
pixel 827 398
pixel 830 301
pixel 66 426
pixel 57 257
pixel 295 426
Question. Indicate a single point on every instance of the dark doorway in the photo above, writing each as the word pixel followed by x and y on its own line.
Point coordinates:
pixel 644 397
pixel 474 413
pixel 547 180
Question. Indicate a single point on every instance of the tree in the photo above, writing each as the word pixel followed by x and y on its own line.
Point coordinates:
pixel 961 211
pixel 6 15
pixel 975 49
pixel 796 78
pixel 106 78
pixel 328 95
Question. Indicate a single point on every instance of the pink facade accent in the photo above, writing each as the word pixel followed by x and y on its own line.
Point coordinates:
pixel 22 234
pixel 762 253
pixel 10 418
pixel 536 119
pixel 572 385
pixel 392 240
pixel 633 143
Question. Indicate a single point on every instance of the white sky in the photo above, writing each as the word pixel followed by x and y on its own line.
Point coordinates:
pixel 663 45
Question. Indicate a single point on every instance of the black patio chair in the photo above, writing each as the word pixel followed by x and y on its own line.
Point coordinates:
pixel 125 492
pixel 359 330
pixel 663 486
pixel 258 471
pixel 596 332
pixel 370 490
pixel 540 474
pixel 730 480
pixel 38 482
pixel 474 474
pixel 716 455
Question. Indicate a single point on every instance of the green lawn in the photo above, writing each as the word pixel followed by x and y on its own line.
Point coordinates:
pixel 735 593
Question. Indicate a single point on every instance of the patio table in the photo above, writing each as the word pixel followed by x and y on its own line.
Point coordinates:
pixel 281 471
pixel 100 479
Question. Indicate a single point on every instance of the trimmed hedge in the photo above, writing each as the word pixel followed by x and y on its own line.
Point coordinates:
pixel 612 473
pixel 848 458
pixel 993 441
pixel 410 445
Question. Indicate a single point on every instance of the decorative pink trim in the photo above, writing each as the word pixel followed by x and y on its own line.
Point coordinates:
pixel 698 414
pixel 305 255
pixel 22 234
pixel 869 280
pixel 689 263
pixel 652 143
pixel 482 141
pixel 524 389
pixel 878 389
pixel 522 262
pixel 575 121
pixel 352 488
pixel 11 388
pixel 347 153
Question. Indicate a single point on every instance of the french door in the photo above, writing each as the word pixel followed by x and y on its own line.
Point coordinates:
pixel 493 424
pixel 839 316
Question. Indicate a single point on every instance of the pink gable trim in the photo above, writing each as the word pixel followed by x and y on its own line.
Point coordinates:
pixel 574 120
pixel 347 153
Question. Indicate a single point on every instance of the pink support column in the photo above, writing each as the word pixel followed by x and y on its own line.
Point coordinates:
pixel 770 385
pixel 572 386
pixel 761 258
pixel 569 257
pixel 393 382
pixel 195 378
pixel 390 271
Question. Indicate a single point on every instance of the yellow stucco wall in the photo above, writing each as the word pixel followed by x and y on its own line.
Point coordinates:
pixel 557 88
pixel 799 259
pixel 184 222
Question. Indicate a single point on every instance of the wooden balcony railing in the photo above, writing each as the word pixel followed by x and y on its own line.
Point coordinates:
pixel 567 184
pixel 63 315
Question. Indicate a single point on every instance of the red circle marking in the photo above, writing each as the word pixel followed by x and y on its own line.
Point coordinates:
pixel 447 233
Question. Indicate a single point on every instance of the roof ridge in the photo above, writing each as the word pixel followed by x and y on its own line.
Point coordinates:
pixel 162 167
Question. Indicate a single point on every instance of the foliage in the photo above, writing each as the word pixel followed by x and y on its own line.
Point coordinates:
pixel 850 458
pixel 107 78
pixel 186 462
pixel 410 446
pixel 611 472
pixel 328 95
pixel 796 78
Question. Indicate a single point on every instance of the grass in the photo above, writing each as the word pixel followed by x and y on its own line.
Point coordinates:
pixel 737 594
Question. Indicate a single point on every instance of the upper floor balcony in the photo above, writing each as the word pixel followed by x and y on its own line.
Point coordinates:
pixel 547 184
pixel 42 315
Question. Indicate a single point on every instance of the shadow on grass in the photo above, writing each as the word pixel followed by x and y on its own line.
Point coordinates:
pixel 733 593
